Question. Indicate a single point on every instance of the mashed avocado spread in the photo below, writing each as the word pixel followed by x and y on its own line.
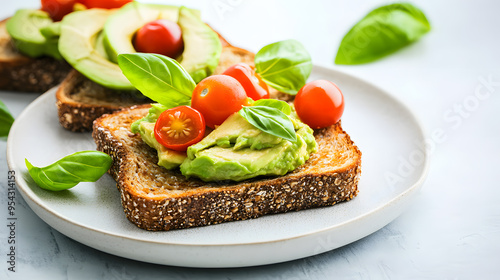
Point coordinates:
pixel 235 150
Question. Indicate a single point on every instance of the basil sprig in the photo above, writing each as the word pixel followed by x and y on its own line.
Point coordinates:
pixel 382 32
pixel 85 166
pixel 158 77
pixel 284 65
pixel 270 120
pixel 274 103
pixel 6 120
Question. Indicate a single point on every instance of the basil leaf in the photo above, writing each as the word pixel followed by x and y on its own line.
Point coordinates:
pixel 278 104
pixel 86 166
pixel 158 77
pixel 382 32
pixel 284 65
pixel 6 120
pixel 270 120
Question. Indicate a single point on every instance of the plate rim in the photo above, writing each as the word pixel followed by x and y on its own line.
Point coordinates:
pixel 23 186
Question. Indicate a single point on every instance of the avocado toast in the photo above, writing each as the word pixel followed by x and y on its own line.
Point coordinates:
pixel 154 198
pixel 99 87
pixel 224 149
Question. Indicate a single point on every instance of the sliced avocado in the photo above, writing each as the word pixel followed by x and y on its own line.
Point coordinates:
pixel 52 32
pixel 202 47
pixel 238 134
pixel 27 27
pixel 81 45
pixel 121 27
pixel 227 154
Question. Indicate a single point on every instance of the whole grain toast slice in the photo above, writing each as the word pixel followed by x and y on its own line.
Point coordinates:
pixel 154 198
pixel 80 101
pixel 22 73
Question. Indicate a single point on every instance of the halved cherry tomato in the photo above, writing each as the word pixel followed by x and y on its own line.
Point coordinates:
pixel 160 36
pixel 179 127
pixel 217 97
pixel 104 4
pixel 319 104
pixel 57 9
pixel 254 86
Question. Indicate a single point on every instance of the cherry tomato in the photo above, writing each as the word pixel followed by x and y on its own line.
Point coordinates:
pixel 319 104
pixel 160 36
pixel 217 97
pixel 57 9
pixel 254 86
pixel 179 127
pixel 104 4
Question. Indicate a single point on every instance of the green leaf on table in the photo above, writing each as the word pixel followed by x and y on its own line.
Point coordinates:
pixel 85 166
pixel 284 65
pixel 158 77
pixel 6 120
pixel 382 32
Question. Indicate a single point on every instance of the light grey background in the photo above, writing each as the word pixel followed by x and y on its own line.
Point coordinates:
pixel 450 79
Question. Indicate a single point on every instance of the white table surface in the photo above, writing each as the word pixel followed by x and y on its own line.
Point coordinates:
pixel 451 231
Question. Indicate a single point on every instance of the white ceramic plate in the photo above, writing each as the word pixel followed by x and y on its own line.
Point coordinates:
pixel 394 166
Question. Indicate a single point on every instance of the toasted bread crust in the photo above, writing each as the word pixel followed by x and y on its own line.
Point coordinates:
pixel 21 73
pixel 154 198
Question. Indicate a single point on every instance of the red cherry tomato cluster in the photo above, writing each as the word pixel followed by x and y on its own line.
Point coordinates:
pixel 219 96
pixel 318 104
pixel 214 99
pixel 57 9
